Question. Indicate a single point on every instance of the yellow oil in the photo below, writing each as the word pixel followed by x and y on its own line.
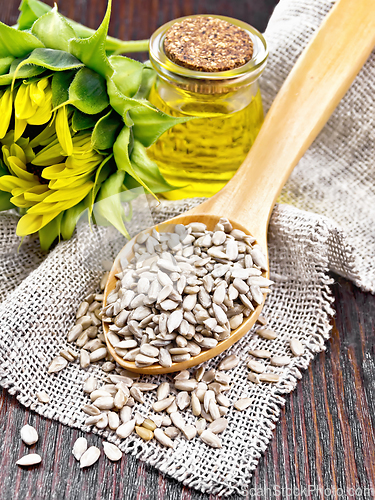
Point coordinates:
pixel 201 155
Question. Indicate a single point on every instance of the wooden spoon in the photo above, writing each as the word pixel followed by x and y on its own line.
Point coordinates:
pixel 314 87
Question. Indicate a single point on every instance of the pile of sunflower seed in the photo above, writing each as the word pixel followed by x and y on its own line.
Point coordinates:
pixel 203 394
pixel 184 291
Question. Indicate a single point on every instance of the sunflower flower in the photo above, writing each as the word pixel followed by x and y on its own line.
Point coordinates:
pixel 75 123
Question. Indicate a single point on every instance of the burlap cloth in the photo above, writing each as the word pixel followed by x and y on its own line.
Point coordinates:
pixel 329 227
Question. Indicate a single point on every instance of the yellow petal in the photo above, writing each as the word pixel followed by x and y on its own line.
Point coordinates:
pixel 68 194
pixel 19 169
pixel 54 171
pixel 5 112
pixel 19 128
pixel 71 182
pixel 23 105
pixel 63 132
pixel 29 223
pixel 16 150
pixel 21 202
pixel 37 193
pixel 10 182
pixel 37 94
pixel 43 113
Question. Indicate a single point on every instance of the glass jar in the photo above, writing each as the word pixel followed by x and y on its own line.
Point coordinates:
pixel 201 155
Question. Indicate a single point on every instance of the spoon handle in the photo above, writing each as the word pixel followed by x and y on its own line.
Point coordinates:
pixel 313 89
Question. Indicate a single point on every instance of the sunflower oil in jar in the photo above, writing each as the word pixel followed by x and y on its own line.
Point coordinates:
pixel 201 155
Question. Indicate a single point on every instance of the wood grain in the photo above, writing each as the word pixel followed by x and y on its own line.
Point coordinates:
pixel 325 437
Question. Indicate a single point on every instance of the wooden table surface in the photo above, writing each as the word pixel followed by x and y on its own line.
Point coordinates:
pixel 324 443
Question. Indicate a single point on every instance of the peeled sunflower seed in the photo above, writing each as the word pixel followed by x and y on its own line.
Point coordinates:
pixel 144 433
pixel 296 347
pixel 163 438
pixel 89 457
pixel 30 459
pixel 112 451
pixel 124 430
pixel 266 333
pixel 229 362
pixel 79 448
pixel 189 431
pixel 211 439
pixel 255 366
pixel 242 403
pixel 219 425
pixel 260 353
pixel 57 364
pixel 280 360
pixel 43 397
pixel 29 435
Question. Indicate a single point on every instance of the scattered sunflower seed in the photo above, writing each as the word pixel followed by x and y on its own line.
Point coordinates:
pixel 79 448
pixel 29 435
pixel 89 457
pixel 30 459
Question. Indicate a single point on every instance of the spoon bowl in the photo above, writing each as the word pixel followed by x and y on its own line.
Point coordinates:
pixel 306 100
pixel 128 253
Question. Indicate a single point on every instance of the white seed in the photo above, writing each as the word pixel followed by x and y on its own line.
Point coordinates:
pixel 178 420
pixel 163 391
pixel 229 362
pixel 183 400
pixel 219 425
pixel 125 414
pixel 186 385
pixel 90 385
pixel 260 353
pixel 222 400
pixel 256 366
pixel 93 420
pixel 43 397
pixel 30 459
pixel 213 409
pixel 253 377
pixel 195 405
pixel 124 430
pixel 296 347
pixel 269 377
pixel 99 354
pixel 98 393
pixel 74 333
pixel 79 448
pixel 201 425
pixel 113 420
pixel 242 403
pixel 280 360
pixel 57 364
pixel 149 350
pixel 165 358
pixel 266 333
pixel 163 438
pixel 172 432
pixel 189 431
pixel 142 360
pixel 29 434
pixel 104 403
pixel 163 404
pixel 208 396
pixel 137 394
pixel 111 451
pixel 90 410
pixel 211 439
pixel 84 358
pixel 90 456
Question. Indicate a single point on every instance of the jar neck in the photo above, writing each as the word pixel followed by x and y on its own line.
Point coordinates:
pixel 193 103
pixel 201 82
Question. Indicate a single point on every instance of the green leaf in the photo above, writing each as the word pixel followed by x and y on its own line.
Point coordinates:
pixel 31 10
pixel 127 74
pixel 150 123
pixel 56 60
pixel 60 86
pixel 122 104
pixel 53 30
pixel 105 131
pixel 91 51
pixel 26 71
pixel 121 155
pixel 147 170
pixel 108 205
pixel 81 121
pixel 5 63
pixel 16 43
pixel 72 216
pixel 148 80
pixel 5 203
pixel 88 92
pixel 50 232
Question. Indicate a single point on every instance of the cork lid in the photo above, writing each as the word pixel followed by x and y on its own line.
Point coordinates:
pixel 208 44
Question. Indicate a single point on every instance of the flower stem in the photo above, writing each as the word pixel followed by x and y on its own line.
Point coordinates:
pixel 129 46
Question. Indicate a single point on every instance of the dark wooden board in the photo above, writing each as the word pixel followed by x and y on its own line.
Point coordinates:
pixel 324 442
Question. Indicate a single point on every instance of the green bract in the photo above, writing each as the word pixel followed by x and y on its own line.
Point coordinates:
pixel 75 123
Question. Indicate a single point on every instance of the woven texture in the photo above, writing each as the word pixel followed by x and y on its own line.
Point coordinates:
pixel 328 228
